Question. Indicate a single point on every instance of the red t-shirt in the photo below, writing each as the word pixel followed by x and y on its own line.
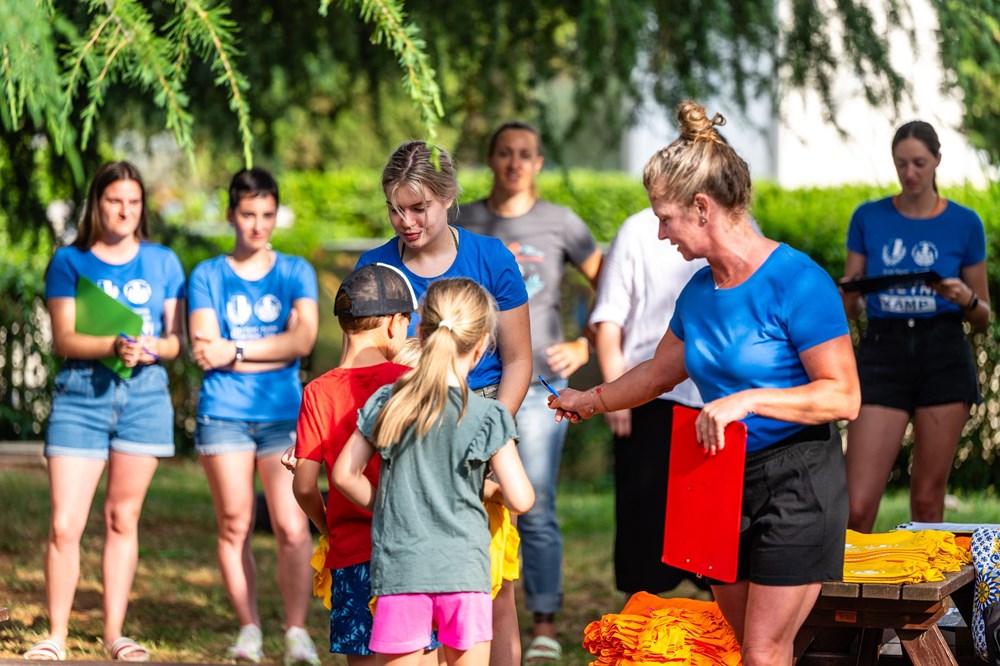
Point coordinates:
pixel 327 419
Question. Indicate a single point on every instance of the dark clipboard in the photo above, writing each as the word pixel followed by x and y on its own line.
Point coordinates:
pixel 701 532
pixel 98 313
pixel 867 285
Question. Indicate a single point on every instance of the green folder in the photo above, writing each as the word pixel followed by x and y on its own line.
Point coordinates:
pixel 97 313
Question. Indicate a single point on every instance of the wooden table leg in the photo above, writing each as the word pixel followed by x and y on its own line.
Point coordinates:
pixel 926 648
pixel 869 643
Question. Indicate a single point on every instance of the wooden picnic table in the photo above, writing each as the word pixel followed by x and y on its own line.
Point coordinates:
pixel 855 613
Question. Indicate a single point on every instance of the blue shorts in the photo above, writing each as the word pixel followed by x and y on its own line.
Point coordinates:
pixel 351 617
pixel 216 437
pixel 94 410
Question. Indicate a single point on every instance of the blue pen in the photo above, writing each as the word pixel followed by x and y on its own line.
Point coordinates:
pixel 546 384
pixel 129 338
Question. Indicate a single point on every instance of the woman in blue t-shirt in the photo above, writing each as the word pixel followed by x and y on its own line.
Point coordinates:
pixel 914 360
pixel 420 187
pixel 253 315
pixel 762 333
pixel 111 407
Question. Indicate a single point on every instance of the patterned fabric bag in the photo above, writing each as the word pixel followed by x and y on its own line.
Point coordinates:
pixel 986 601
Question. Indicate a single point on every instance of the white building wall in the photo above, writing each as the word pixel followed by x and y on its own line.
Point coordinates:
pixel 796 146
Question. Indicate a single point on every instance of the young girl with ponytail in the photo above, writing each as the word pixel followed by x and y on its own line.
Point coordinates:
pixel 438 441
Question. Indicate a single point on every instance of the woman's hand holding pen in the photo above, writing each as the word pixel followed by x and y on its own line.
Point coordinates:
pixel 573 405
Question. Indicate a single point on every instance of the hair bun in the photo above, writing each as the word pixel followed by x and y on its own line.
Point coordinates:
pixel 695 125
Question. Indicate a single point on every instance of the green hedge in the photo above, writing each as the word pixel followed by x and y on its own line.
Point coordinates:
pixel 349 205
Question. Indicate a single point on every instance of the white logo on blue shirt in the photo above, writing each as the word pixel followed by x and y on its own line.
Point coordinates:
pixel 108 287
pixel 267 308
pixel 138 291
pixel 925 253
pixel 238 310
pixel 892 255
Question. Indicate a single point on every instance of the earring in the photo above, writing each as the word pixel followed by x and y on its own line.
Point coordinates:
pixel 701 219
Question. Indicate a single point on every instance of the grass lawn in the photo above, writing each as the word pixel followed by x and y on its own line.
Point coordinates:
pixel 179 608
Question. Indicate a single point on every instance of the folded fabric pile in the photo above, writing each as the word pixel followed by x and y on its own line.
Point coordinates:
pixel 652 630
pixel 902 556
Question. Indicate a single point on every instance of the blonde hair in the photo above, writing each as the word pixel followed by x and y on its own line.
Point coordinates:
pixel 416 165
pixel 454 317
pixel 409 353
pixel 700 160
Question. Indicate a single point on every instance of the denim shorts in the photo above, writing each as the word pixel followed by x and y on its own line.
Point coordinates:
pixel 94 410
pixel 216 437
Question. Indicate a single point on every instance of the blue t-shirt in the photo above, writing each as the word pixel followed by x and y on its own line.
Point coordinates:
pixel 893 244
pixel 251 310
pixel 153 276
pixel 750 336
pixel 480 258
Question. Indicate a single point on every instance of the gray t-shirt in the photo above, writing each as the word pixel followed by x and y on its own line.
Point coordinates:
pixel 542 241
pixel 430 532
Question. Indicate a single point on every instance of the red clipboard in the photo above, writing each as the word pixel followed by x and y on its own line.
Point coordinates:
pixel 701 532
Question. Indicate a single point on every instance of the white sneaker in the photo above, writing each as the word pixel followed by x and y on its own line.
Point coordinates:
pixel 249 645
pixel 299 648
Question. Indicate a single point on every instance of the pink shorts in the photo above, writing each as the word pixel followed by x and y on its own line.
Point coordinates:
pixel 404 621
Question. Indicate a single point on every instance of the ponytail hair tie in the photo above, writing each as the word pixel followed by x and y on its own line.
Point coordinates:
pixel 446 323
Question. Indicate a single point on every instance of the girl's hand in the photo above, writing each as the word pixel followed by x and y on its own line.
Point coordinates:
pixel 711 423
pixel 130 353
pixel 572 405
pixel 150 347
pixel 492 492
pixel 288 459
pixel 565 358
pixel 955 290
pixel 211 354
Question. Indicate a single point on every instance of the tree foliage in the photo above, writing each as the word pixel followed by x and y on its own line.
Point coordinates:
pixel 64 63
pixel 970 51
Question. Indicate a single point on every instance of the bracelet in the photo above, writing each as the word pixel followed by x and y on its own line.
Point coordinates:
pixel 604 405
pixel 973 302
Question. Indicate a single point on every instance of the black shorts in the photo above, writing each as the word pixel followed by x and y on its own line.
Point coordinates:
pixel 911 363
pixel 794 520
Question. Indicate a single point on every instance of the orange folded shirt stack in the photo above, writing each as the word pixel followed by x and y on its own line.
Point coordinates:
pixel 902 556
pixel 652 630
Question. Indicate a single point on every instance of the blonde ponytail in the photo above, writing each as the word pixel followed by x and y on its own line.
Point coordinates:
pixel 455 315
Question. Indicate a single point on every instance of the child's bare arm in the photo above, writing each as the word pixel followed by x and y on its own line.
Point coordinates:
pixel 348 471
pixel 518 495
pixel 306 488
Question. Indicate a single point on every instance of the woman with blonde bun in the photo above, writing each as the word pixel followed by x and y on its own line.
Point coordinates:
pixel 762 333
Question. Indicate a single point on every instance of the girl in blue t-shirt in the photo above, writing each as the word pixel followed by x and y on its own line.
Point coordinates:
pixel 430 564
pixel 913 360
pixel 253 315
pixel 420 188
pixel 111 408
